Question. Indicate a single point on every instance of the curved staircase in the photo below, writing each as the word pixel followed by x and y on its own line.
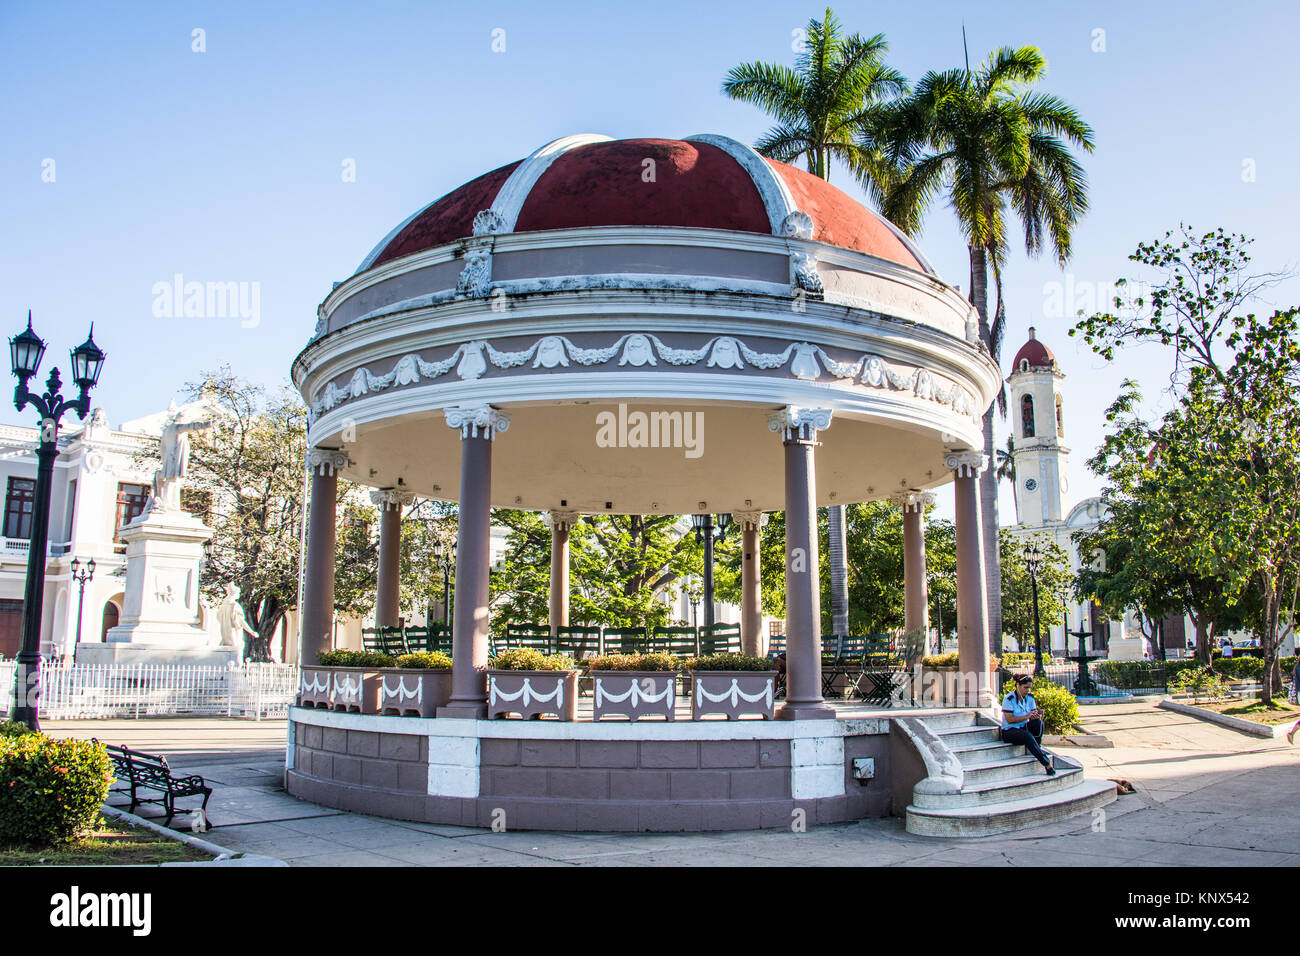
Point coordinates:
pixel 978 785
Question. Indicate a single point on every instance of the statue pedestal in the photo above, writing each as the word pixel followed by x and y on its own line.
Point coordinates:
pixel 1126 649
pixel 160 618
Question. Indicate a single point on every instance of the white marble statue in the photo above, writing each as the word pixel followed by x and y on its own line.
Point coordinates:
pixel 175 453
pixel 233 623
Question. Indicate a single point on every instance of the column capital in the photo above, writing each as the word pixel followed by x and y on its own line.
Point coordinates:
pixel 470 419
pixel 912 501
pixel 561 519
pixel 797 423
pixel 391 498
pixel 327 461
pixel 965 464
pixel 749 520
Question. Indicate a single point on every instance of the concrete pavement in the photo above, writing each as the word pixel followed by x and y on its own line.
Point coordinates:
pixel 1205 795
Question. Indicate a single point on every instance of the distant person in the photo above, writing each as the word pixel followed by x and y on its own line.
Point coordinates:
pixel 1294 696
pixel 1022 722
pixel 1227 647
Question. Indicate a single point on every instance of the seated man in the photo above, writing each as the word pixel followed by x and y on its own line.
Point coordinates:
pixel 1022 722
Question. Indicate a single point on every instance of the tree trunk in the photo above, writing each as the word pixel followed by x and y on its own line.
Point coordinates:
pixel 988 481
pixel 1202 639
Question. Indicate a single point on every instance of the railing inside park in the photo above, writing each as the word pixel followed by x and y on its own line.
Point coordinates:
pixel 1111 678
pixel 89 691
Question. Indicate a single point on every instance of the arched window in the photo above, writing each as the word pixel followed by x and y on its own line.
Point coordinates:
pixel 1060 422
pixel 1027 417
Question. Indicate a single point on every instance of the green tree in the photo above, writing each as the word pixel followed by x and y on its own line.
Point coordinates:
pixel 822 105
pixel 996 149
pixel 1055 582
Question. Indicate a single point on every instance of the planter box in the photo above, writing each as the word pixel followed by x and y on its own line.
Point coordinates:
pixel 356 689
pixel 939 686
pixel 733 693
pixel 315 685
pixel 408 692
pixel 634 694
pixel 533 693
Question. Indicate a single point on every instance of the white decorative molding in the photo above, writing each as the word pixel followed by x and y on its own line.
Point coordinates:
pixel 965 464
pixel 488 222
pixel 470 419
pixel 797 225
pixel 526 694
pixel 776 196
pixel 749 520
pixel 909 501
pixel 804 265
pixel 734 695
pixel 561 518
pixel 326 461
pixel 795 422
pixel 400 694
pixel 475 280
pixel 636 350
pixel 635 693
pixel 391 498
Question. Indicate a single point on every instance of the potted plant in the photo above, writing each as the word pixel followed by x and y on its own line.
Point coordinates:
pixel 417 686
pixel 939 679
pixel 733 685
pixel 355 679
pixel 529 683
pixel 634 685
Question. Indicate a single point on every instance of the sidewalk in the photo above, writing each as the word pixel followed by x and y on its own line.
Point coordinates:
pixel 1205 796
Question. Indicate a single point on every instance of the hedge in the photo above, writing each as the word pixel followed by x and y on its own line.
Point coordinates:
pixel 50 790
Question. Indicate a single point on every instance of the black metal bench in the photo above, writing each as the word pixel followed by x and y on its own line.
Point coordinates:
pixel 142 771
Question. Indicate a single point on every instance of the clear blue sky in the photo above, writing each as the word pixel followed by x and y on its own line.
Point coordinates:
pixel 226 165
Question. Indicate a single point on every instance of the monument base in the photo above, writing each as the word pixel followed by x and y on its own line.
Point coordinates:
pixel 120 653
pixel 1126 649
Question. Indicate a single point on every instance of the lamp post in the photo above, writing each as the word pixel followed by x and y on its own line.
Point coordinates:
pixel 82 575
pixel 704 529
pixel 1033 561
pixel 25 352
pixel 445 555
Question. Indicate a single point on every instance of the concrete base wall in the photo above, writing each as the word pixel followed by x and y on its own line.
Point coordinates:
pixel 547 775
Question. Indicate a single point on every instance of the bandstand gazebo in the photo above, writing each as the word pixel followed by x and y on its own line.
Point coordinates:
pixel 641 326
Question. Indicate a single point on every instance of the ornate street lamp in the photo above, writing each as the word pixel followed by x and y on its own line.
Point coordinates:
pixel 25 352
pixel 1034 561
pixel 82 575
pixel 704 531
pixel 445 555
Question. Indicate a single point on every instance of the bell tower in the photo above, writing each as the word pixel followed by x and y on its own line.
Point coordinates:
pixel 1038 426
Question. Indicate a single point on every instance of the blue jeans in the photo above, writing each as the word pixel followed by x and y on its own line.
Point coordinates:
pixel 1031 735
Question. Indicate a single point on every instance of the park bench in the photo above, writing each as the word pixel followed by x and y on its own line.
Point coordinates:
pixel 384 640
pixel 534 636
pixel 577 641
pixel 678 641
pixel 719 639
pixel 625 640
pixel 142 771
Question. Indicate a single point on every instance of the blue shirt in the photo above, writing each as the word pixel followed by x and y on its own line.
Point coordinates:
pixel 1019 708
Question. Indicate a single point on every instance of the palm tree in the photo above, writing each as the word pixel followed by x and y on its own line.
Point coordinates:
pixel 824 106
pixel 1006 468
pixel 995 149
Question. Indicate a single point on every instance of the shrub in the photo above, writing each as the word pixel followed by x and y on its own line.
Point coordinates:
pixel 354 659
pixel 424 660
pixel 530 659
pixel 635 662
pixel 50 790
pixel 728 662
pixel 1199 682
pixel 13 728
pixel 940 660
pixel 1059 706
pixel 1011 658
pixel 1240 668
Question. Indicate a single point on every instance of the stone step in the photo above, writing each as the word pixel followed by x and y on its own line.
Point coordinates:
pixel 1011 768
pixel 1036 784
pixel 974 755
pixel 963 736
pixel 989 819
pixel 950 721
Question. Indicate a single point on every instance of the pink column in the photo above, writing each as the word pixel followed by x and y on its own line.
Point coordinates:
pixel 798 427
pixel 388 601
pixel 972 609
pixel 318 572
pixel 478 426
pixel 751 594
pixel 560 521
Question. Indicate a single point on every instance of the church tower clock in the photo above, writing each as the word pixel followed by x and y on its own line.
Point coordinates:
pixel 1038 425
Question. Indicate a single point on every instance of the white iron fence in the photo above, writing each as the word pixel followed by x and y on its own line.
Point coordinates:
pixel 80 691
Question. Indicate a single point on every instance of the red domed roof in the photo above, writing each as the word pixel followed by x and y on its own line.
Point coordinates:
pixel 585 182
pixel 1035 353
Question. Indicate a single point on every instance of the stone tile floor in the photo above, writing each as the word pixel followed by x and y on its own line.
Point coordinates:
pixel 1205 796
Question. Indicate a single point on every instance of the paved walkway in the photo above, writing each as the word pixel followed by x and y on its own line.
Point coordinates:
pixel 1205 795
